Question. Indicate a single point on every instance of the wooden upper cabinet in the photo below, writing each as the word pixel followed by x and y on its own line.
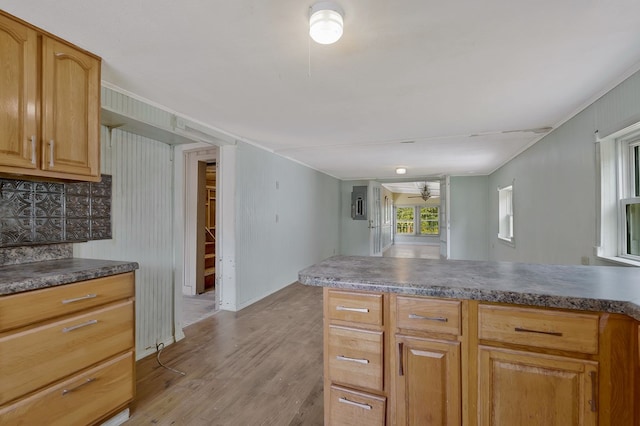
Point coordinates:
pixel 49 105
pixel 71 108
pixel 18 94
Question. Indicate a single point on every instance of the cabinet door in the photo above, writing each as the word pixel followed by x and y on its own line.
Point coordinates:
pixel 520 388
pixel 18 96
pixel 71 110
pixel 428 383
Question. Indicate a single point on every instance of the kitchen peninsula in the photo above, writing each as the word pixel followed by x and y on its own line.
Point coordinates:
pixel 434 342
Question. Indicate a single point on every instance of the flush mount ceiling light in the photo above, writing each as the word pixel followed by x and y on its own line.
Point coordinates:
pixel 401 170
pixel 325 22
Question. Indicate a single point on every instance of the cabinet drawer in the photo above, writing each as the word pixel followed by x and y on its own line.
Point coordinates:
pixel 431 315
pixel 542 328
pixel 26 308
pixel 42 355
pixel 355 307
pixel 355 357
pixel 351 408
pixel 81 399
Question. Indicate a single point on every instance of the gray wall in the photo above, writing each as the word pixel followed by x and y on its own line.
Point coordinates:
pixel 354 234
pixel 270 251
pixel 268 254
pixel 555 185
pixel 468 218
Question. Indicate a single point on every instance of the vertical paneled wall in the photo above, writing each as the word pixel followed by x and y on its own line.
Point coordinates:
pixel 142 208
pixel 287 218
pixel 555 185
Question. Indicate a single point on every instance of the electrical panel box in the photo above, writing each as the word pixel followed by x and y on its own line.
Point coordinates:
pixel 359 203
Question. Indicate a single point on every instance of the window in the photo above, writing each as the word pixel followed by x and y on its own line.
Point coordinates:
pixel 505 213
pixel 405 220
pixel 418 220
pixel 619 216
pixel 630 198
pixel 429 223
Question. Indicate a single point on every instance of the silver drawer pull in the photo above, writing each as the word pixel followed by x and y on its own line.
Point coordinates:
pixel 345 308
pixel 86 382
pixel 358 360
pixel 77 299
pixel 548 333
pixel 75 327
pixel 356 404
pixel 420 317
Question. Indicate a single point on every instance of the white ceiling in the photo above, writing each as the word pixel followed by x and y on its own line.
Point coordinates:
pixel 449 76
pixel 413 187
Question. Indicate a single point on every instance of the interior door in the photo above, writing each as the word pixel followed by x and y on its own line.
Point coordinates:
pixel 375 218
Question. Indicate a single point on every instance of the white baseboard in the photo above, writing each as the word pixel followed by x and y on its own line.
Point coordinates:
pixel 151 350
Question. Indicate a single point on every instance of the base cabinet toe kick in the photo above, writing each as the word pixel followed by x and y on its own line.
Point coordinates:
pixel 392 359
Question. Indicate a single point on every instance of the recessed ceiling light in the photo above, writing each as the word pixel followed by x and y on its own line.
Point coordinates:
pixel 401 170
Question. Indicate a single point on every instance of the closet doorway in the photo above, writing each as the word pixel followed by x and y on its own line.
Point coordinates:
pixel 206 249
pixel 201 250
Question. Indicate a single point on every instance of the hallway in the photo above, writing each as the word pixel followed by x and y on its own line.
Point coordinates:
pixel 413 251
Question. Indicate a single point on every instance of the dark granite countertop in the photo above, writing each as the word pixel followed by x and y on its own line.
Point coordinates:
pixel 593 288
pixel 49 273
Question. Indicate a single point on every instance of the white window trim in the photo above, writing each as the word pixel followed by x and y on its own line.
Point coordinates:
pixel 419 227
pixel 615 174
pixel 416 220
pixel 511 241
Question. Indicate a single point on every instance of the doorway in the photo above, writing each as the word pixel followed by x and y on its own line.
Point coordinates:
pixel 419 218
pixel 200 285
pixel 206 241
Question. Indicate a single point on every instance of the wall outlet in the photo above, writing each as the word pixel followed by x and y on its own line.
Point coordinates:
pixel 585 260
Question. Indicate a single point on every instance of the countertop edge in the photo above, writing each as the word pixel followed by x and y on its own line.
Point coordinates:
pixel 61 277
pixel 629 308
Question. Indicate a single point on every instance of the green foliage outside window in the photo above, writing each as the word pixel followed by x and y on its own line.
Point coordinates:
pixel 404 220
pixel 429 221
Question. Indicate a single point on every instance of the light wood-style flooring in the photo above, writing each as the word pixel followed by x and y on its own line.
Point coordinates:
pixel 198 307
pixel 259 366
pixel 413 251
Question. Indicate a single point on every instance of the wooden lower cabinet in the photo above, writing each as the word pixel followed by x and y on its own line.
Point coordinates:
pixel 427 389
pixel 355 357
pixel 77 400
pixel 352 408
pixel 441 362
pixel 520 388
pixel 67 353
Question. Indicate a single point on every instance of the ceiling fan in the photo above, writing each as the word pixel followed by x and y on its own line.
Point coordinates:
pixel 425 193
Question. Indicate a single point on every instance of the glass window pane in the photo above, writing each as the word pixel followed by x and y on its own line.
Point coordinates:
pixel 404 220
pixel 636 171
pixel 429 221
pixel 633 229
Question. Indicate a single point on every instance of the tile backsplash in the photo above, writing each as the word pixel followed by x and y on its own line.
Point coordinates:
pixel 51 212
